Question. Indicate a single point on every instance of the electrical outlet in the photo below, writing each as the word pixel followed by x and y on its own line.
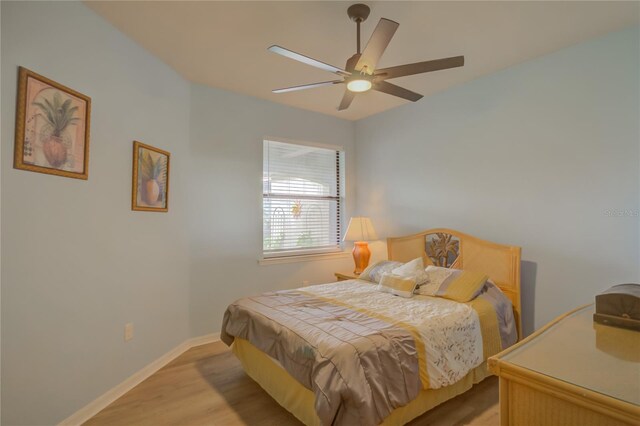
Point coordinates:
pixel 128 331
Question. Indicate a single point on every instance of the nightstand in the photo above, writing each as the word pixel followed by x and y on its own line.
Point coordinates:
pixel 342 276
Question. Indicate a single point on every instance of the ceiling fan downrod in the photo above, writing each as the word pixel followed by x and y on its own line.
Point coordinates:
pixel 358 13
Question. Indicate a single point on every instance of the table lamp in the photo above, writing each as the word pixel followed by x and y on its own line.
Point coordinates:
pixel 360 230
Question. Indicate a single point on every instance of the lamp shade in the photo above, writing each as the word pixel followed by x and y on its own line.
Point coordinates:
pixel 360 229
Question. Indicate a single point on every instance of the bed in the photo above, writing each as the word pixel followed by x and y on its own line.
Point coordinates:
pixel 343 353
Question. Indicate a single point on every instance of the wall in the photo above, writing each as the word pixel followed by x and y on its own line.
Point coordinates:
pixel 225 192
pixel 0 232
pixel 535 156
pixel 77 263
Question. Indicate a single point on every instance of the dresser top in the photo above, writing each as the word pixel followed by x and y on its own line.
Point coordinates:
pixel 576 350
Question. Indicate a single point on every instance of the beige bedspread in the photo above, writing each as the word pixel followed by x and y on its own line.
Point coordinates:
pixel 364 353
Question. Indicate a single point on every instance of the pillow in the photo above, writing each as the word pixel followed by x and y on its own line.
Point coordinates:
pixel 399 285
pixel 454 284
pixel 374 272
pixel 415 269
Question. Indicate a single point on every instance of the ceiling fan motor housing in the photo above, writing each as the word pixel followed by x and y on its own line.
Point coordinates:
pixel 358 12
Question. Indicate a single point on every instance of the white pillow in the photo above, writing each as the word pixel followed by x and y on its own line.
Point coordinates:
pixel 435 276
pixel 414 269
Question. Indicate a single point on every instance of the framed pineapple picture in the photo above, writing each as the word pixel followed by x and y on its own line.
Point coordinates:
pixel 150 178
pixel 52 127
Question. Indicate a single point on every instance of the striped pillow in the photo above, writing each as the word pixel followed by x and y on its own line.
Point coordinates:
pixel 397 284
pixel 461 286
pixel 374 272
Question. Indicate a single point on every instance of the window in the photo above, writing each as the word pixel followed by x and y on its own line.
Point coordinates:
pixel 301 199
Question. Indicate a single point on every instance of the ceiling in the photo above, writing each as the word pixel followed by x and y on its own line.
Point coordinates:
pixel 224 44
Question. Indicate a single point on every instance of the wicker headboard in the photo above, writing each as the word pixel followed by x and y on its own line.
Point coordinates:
pixel 453 249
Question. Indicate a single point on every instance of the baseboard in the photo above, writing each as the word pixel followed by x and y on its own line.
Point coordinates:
pixel 100 403
pixel 203 340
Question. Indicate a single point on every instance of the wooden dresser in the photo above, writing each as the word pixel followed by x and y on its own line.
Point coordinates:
pixel 571 372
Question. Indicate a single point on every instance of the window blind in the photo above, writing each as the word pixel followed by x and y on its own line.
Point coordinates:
pixel 301 199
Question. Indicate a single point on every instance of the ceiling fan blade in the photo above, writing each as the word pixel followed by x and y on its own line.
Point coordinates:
pixel 377 44
pixel 392 89
pixel 351 62
pixel 307 86
pixel 420 67
pixel 307 60
pixel 346 99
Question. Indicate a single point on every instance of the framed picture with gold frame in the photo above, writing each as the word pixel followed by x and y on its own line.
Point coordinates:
pixel 150 188
pixel 52 127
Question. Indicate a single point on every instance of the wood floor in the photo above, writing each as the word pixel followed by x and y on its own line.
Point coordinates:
pixel 207 386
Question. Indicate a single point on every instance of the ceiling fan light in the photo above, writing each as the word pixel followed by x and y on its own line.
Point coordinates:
pixel 359 85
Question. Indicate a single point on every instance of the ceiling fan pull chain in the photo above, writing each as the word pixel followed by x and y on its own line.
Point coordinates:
pixel 358 24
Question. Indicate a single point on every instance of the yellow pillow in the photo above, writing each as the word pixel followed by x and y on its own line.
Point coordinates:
pixel 462 286
pixel 397 284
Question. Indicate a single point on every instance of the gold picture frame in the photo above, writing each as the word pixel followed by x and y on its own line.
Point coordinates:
pixel 150 184
pixel 52 127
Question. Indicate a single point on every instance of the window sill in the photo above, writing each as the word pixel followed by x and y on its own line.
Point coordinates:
pixel 303 258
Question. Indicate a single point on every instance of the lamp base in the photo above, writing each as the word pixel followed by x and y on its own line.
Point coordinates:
pixel 361 256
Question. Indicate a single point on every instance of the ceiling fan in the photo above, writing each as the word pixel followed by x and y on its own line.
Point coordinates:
pixel 360 73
